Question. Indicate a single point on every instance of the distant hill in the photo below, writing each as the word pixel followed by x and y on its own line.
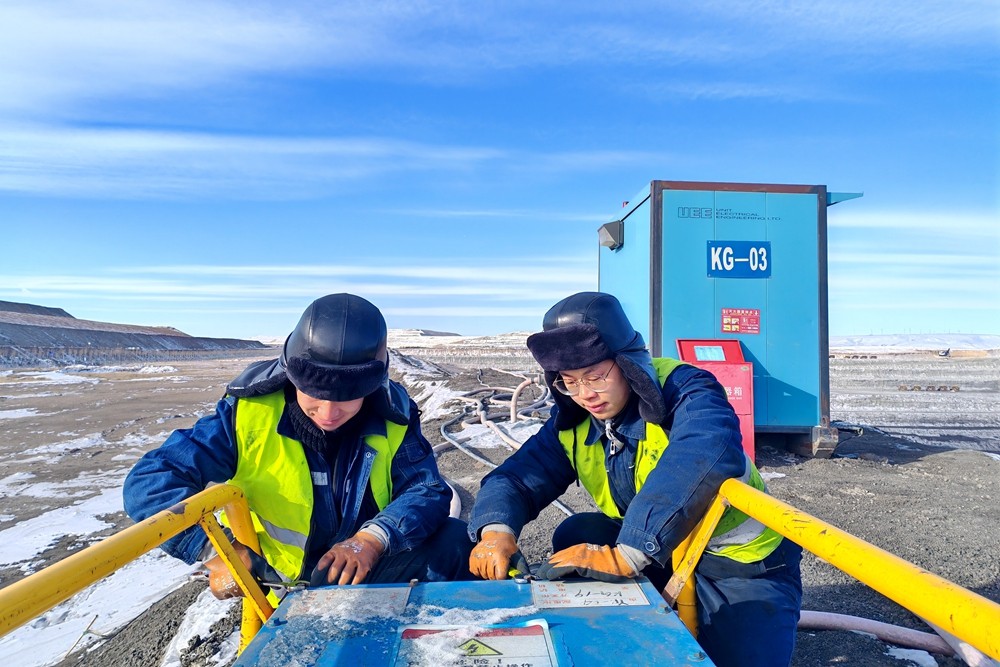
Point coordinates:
pixel 31 334
pixel 31 309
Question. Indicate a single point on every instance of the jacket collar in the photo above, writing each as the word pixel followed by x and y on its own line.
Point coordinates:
pixel 629 424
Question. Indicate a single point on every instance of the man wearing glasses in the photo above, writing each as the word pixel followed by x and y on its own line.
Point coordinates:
pixel 651 440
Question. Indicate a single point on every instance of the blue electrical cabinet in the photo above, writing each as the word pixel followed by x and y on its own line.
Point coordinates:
pixel 744 261
pixel 511 623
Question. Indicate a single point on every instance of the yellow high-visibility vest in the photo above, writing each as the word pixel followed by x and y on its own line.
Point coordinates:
pixel 274 475
pixel 737 536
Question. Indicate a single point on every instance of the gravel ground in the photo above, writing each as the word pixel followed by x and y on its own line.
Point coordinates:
pixel 916 482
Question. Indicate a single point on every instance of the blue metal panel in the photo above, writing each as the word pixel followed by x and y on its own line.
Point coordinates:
pixel 793 301
pixel 743 215
pixel 624 272
pixel 688 293
pixel 307 631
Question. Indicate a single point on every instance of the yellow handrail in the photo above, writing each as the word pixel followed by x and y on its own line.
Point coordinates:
pixel 254 614
pixel 970 617
pixel 679 591
pixel 35 594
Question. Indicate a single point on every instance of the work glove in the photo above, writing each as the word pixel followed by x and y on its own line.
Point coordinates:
pixel 593 561
pixel 494 555
pixel 347 562
pixel 221 581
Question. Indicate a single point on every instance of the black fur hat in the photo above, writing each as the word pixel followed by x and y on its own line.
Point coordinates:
pixel 585 329
pixel 337 351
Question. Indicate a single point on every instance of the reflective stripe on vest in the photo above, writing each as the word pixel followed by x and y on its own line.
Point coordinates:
pixel 737 536
pixel 270 466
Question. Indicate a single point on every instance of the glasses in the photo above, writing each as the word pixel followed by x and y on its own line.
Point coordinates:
pixel 595 383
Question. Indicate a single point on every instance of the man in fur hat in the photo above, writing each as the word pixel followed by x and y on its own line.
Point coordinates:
pixel 651 440
pixel 342 484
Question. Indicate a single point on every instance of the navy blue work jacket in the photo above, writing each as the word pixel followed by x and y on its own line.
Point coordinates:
pixel 192 458
pixel 705 450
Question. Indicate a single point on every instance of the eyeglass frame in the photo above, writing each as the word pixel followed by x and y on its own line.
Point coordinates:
pixel 559 384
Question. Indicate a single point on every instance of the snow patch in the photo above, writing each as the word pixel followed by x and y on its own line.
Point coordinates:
pixel 19 414
pixel 18 397
pixel 197 623
pixel 25 540
pixel 55 377
pixel 918 658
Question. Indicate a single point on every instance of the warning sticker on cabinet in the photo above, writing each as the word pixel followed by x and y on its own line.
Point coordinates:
pixel 741 320
pixel 524 645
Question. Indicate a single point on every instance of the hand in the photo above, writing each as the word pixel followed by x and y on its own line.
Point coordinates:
pixel 592 561
pixel 491 557
pixel 348 562
pixel 220 580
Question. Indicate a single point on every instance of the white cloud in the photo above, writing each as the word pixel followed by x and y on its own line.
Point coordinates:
pixel 257 288
pixel 112 163
pixel 540 269
pixel 942 222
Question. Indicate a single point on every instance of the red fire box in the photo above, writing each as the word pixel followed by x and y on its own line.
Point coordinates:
pixel 724 359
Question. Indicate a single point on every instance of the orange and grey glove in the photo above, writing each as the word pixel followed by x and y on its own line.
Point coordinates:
pixel 494 554
pixel 593 561
pixel 348 562
pixel 220 580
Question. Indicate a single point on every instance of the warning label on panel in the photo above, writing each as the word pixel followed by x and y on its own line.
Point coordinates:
pixel 741 320
pixel 524 645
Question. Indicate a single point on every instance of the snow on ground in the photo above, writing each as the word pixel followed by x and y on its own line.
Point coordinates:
pixel 23 412
pixel 145 370
pixel 421 338
pixel 20 543
pixel 86 484
pixel 98 610
pixel 94 495
pixel 198 620
pixel 913 657
pixel 425 386
pixel 52 377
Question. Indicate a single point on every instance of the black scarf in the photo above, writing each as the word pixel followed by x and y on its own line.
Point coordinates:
pixel 312 436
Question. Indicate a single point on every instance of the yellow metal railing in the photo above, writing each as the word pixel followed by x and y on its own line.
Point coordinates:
pixel 35 594
pixel 960 612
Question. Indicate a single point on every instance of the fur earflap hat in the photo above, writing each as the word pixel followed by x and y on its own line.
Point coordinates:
pixel 585 329
pixel 337 351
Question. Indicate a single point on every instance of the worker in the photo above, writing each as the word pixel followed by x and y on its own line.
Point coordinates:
pixel 342 485
pixel 651 440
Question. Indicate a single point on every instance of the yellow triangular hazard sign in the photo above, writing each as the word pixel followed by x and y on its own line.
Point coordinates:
pixel 476 647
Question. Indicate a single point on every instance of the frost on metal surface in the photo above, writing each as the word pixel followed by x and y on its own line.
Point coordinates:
pixel 351 604
pixel 319 618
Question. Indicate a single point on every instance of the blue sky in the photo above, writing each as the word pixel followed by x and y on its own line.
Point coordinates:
pixel 214 166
